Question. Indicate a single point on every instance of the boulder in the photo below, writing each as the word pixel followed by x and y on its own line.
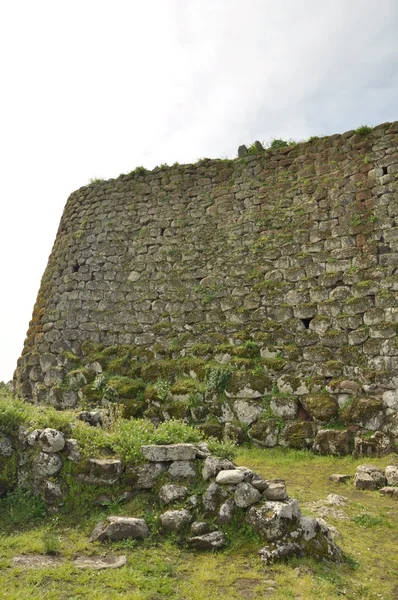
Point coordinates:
pixel 53 493
pixel 144 477
pixel 213 498
pixel 172 493
pixel 199 528
pixel 33 436
pixel 213 465
pixel 339 478
pixel 226 512
pixel 119 528
pixel 183 469
pixel 375 444
pixel 275 491
pixel 51 440
pixel 284 407
pixel 337 442
pixel 100 471
pixel 232 477
pixel 272 519
pixel 376 474
pixel 246 495
pixel 363 481
pixel 46 464
pixel 247 412
pixel 391 473
pixel 391 491
pixel 259 483
pixel 175 520
pixel 72 450
pixel 170 452
pixel 208 541
pixel 5 446
pixel 265 433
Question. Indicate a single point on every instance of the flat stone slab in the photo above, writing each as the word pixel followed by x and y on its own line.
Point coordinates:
pixel 36 561
pixel 391 491
pixel 98 563
pixel 339 478
pixel 209 541
pixel 43 561
pixel 232 477
pixel 120 528
pixel 101 472
pixel 169 452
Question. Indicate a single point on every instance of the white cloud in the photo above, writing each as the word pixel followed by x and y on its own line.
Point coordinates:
pixel 92 88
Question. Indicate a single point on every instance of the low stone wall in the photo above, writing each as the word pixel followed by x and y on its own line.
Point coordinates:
pixel 195 494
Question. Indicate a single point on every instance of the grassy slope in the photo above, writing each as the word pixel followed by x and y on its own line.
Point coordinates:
pixel 156 571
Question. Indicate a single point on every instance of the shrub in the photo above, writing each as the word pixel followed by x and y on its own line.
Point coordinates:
pixel 21 506
pixel 13 413
pixel 363 130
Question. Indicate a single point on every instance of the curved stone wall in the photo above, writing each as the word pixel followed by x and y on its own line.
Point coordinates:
pixel 296 250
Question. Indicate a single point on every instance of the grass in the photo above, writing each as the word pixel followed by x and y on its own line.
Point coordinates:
pixel 158 570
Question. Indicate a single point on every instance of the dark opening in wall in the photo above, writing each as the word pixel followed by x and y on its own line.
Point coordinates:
pixel 76 267
pixel 384 170
pixel 306 322
pixel 162 231
pixel 302 414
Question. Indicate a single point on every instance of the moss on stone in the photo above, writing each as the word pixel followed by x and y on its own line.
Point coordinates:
pixel 299 435
pixel 321 407
pixel 125 387
pixel 361 410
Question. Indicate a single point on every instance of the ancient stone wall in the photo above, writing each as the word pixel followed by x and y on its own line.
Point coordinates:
pixel 295 251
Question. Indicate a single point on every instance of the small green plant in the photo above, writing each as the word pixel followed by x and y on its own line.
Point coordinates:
pixel 51 543
pixel 217 379
pixel 363 130
pixel 163 389
pixel 100 384
pixel 366 520
pixel 21 506
pixel 277 143
pixel 96 179
pixel 139 171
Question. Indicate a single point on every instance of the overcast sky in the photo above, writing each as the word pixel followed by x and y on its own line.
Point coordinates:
pixel 94 88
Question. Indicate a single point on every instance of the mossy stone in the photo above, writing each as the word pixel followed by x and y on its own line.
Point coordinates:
pixel 321 407
pixel 299 435
pixel 361 410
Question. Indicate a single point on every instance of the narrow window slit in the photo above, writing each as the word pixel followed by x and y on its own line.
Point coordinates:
pixel 161 231
pixel 306 322
pixel 384 170
pixel 76 267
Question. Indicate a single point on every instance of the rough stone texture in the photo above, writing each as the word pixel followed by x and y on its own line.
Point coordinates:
pixel 391 491
pixel 172 452
pixel 230 477
pixel 51 440
pixel 183 469
pixel 144 477
pixel 339 478
pixel 294 248
pixel 101 471
pixel 375 473
pixel 213 466
pixel 246 495
pixel 208 541
pixel 119 528
pixel 172 493
pixel 5 446
pixel 175 520
pixel 46 464
pixel 275 491
pixel 391 473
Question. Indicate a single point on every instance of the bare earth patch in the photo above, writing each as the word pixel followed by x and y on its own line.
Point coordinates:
pixel 97 563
